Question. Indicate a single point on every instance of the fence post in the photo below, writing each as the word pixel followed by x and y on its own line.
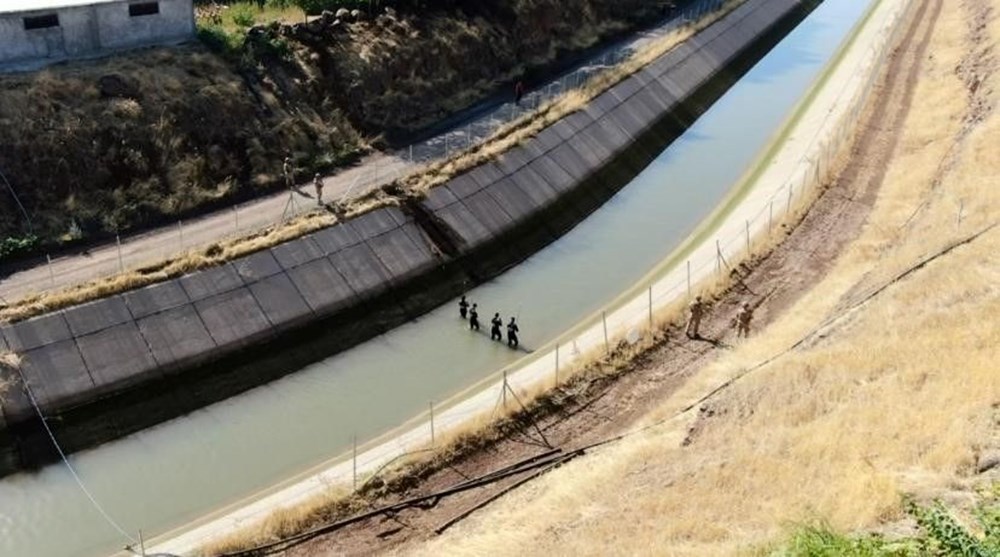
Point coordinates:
pixel 52 275
pixel 504 393
pixel 236 215
pixel 748 237
pixel 650 309
pixel 718 259
pixel 689 279
pixel 180 232
pixel 354 460
pixel 604 320
pixel 961 209
pixel 557 365
pixel 411 153
pixel 431 404
pixel 788 206
pixel 121 262
pixel 770 217
pixel 447 145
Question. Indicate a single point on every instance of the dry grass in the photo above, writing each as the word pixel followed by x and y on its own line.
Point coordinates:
pixel 436 174
pixel 897 396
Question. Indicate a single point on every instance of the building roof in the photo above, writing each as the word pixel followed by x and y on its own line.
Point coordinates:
pixel 14 6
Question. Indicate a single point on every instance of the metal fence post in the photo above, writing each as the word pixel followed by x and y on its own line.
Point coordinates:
pixel 689 279
pixel 180 233
pixel 121 262
pixel 354 460
pixel 504 392
pixel 431 404
pixel 650 308
pixel 557 365
pixel 604 320
pixel 748 237
pixel 52 275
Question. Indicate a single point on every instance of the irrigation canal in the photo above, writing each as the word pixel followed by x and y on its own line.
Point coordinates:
pixel 168 475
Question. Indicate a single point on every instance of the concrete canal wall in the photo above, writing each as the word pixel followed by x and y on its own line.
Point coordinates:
pixel 112 367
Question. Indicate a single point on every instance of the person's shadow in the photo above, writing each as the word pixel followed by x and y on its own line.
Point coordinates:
pixel 713 341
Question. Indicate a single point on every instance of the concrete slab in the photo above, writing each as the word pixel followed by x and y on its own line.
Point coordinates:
pixel 554 175
pixel 337 237
pixel 281 301
pixel 533 148
pixel 39 331
pixel 513 200
pixel 532 183
pixel 579 120
pixel 438 198
pixel 570 161
pixel 156 298
pixel 655 99
pixel 362 269
pixel 56 374
pixel 97 315
pixel 489 212
pixel 401 255
pixel 211 281
pixel 514 159
pixel 321 286
pixel 176 335
pixel 375 222
pixel 594 146
pixel 462 186
pixel 617 138
pixel 297 252
pixel 117 357
pixel 624 89
pixel 549 139
pixel 460 219
pixel 669 82
pixel 233 318
pixel 632 122
pixel 486 174
pixel 563 129
pixel 257 266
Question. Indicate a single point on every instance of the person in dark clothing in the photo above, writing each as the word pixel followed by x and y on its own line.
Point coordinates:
pixel 495 333
pixel 518 92
pixel 463 307
pixel 512 333
pixel 474 318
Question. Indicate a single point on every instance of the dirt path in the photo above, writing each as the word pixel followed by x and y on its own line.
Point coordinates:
pixel 606 407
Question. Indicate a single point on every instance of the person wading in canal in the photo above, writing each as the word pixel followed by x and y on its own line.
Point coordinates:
pixel 495 333
pixel 512 330
pixel 474 318
pixel 463 307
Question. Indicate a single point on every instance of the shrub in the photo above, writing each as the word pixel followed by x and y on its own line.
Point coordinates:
pixel 242 15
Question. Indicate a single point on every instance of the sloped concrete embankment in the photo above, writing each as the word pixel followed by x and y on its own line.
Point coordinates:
pixel 115 366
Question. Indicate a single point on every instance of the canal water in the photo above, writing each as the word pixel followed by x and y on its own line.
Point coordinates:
pixel 168 475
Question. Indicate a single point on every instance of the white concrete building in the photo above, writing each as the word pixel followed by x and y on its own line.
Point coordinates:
pixel 35 32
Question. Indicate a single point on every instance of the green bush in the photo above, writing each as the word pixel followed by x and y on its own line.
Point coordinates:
pixel 242 15
pixel 217 39
pixel 10 247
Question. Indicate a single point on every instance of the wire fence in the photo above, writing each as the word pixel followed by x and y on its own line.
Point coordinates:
pixel 631 319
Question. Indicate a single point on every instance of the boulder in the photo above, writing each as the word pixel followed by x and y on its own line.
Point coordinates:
pixel 357 15
pixel 343 14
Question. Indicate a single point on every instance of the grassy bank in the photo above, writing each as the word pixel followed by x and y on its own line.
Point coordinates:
pixel 889 387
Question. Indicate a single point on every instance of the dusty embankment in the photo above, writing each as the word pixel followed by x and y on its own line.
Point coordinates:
pixel 879 380
pixel 866 379
pixel 100 147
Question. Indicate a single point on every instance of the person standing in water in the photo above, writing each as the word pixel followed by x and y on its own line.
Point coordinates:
pixel 474 318
pixel 497 322
pixel 512 330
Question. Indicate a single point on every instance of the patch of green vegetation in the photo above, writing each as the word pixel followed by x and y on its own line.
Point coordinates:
pixel 12 246
pixel 941 535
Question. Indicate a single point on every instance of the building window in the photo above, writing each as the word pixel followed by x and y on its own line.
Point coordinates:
pixel 144 8
pixel 41 21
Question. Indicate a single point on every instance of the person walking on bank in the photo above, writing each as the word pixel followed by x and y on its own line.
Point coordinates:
pixel 695 312
pixel 743 318
pixel 463 307
pixel 512 330
pixel 518 92
pixel 495 332
pixel 474 318
pixel 289 172
pixel 318 184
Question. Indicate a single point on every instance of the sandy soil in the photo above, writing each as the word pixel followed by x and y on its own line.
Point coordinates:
pixel 607 407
